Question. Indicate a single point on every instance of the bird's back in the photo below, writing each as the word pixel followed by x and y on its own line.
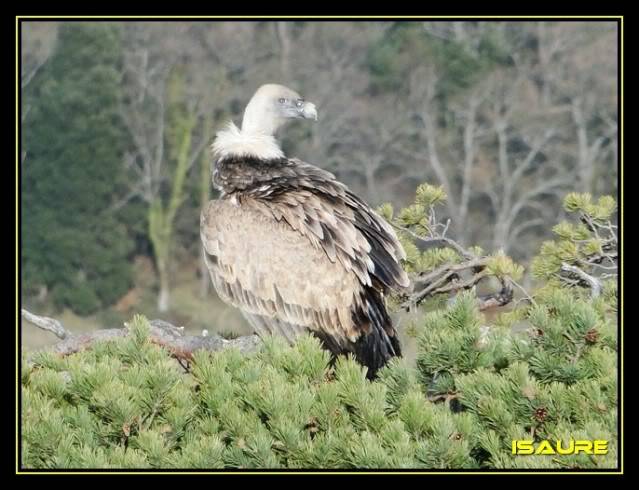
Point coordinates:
pixel 296 250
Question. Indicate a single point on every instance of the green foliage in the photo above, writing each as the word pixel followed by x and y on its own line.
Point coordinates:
pixel 459 66
pixel 428 195
pixel 545 369
pixel 601 210
pixel 419 219
pixel 72 173
pixel 501 265
pixel 589 244
pixel 127 404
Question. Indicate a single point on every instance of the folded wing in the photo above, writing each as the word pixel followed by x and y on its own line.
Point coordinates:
pixel 274 274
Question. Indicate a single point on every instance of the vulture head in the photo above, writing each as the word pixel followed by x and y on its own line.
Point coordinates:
pixel 271 106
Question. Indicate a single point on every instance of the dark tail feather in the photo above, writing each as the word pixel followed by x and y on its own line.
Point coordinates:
pixel 380 344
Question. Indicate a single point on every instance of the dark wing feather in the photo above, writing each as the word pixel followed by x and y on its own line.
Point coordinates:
pixel 351 230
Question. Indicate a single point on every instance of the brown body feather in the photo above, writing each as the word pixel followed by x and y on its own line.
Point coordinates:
pixel 295 250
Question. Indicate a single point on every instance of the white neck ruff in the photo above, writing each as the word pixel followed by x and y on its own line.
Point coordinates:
pixel 231 141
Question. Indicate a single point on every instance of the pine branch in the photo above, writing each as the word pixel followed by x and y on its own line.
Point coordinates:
pixel 436 242
pixel 162 333
pixel 593 282
pixel 446 278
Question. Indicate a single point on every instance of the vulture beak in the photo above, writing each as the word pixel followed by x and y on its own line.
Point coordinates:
pixel 309 111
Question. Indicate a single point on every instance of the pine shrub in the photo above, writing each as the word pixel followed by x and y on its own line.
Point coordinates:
pixel 545 369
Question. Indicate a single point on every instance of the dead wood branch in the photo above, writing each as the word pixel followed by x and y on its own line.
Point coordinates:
pixel 45 323
pixel 162 333
pixel 448 279
pixel 451 278
pixel 593 282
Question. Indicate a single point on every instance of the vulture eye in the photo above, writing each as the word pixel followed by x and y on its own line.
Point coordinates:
pixel 282 100
pixel 299 103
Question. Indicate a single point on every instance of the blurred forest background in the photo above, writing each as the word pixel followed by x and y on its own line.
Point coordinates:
pixel 117 118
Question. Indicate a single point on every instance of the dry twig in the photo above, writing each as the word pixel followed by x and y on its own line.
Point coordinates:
pixel 448 278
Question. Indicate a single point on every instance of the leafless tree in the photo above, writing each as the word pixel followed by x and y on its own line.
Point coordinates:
pixel 578 67
pixel 515 140
pixel 150 57
pixel 504 150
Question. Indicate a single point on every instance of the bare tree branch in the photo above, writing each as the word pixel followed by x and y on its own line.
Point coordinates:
pixel 448 279
pixel 593 282
pixel 436 242
pixel 45 323
pixel 470 134
pixel 162 333
pixel 445 279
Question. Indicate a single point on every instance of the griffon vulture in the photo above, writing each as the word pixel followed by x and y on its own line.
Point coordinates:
pixel 292 247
